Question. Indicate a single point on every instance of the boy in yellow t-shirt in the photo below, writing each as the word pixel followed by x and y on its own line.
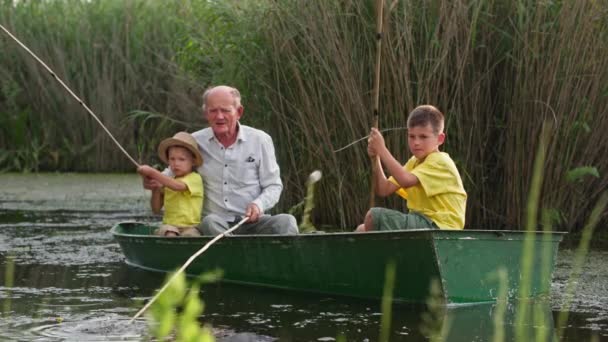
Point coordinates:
pixel 182 197
pixel 429 181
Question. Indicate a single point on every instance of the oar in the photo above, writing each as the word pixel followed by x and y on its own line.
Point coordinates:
pixel 379 9
pixel 194 256
pixel 71 93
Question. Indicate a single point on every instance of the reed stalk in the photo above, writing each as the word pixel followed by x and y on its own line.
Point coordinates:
pixel 527 256
pixel 9 282
pixel 387 302
pixel 436 323
pixel 502 277
pixel 579 259
pixel 539 316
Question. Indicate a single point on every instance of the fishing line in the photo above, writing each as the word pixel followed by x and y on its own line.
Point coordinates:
pixel 367 136
pixel 71 93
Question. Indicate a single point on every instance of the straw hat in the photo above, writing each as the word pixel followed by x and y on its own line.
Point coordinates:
pixel 182 139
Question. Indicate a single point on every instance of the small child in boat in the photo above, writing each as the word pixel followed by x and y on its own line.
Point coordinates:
pixel 182 195
pixel 429 181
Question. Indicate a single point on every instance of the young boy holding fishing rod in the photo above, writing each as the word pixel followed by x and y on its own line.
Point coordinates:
pixel 182 197
pixel 429 181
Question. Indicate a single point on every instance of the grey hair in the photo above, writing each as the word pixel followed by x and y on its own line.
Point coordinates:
pixel 236 95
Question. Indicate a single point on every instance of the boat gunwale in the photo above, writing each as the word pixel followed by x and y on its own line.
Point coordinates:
pixel 436 234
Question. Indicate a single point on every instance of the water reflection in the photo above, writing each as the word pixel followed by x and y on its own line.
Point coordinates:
pixel 307 317
pixel 69 282
pixel 69 302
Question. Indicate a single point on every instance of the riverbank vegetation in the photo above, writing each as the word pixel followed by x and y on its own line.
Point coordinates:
pixel 497 69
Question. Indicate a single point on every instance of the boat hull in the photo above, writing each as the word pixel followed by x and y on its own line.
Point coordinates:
pixel 461 263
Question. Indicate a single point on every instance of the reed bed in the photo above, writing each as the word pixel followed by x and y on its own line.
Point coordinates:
pixel 117 56
pixel 497 69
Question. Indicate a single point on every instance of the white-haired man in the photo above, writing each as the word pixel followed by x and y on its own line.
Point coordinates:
pixel 240 172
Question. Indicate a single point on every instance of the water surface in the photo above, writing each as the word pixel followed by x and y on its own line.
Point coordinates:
pixel 63 278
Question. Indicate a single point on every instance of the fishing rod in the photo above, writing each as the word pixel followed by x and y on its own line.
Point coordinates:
pixel 71 93
pixel 186 264
pixel 379 9
pixel 380 5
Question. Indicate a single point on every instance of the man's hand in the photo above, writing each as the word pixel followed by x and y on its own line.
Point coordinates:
pixel 254 212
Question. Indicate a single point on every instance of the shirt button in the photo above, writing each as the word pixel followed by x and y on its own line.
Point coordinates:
pixel 226 200
pixel 225 183
pixel 225 165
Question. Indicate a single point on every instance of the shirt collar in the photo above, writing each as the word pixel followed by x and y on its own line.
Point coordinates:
pixel 241 136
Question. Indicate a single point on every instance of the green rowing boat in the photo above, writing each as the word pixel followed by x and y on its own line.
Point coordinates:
pixel 353 264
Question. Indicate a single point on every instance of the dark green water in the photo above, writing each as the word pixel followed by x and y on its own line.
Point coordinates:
pixel 63 278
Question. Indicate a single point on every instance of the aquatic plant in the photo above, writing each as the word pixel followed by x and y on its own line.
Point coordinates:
pixel 581 254
pixel 537 317
pixel 9 280
pixel 387 302
pixel 306 225
pixel 434 323
pixel 501 276
pixel 177 310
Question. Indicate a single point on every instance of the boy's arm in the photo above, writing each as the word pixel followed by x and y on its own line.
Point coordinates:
pixel 167 181
pixel 156 201
pixel 376 146
pixel 404 178
pixel 382 185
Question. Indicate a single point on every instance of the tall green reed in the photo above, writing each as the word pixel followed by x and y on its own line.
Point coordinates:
pixel 538 317
pixel 435 324
pixel 527 257
pixel 502 277
pixel 579 259
pixel 387 302
pixel 9 282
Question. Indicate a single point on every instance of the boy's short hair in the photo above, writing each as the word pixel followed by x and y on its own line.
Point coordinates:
pixel 424 115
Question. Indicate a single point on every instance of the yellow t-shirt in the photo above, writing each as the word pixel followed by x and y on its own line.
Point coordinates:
pixel 439 195
pixel 183 208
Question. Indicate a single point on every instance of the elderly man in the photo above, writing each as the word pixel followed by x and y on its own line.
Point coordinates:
pixel 240 171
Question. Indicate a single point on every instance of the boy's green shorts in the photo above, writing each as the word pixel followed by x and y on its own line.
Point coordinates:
pixel 388 219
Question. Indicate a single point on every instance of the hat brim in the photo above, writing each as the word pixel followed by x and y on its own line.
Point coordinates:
pixel 171 142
